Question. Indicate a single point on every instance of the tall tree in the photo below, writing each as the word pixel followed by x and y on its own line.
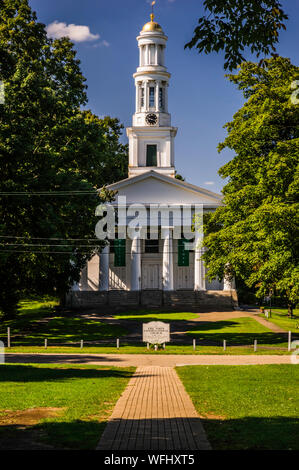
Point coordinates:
pixel 233 26
pixel 254 235
pixel 53 157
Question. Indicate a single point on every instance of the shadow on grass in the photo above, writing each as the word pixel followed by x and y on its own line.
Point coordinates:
pixel 253 433
pixel 77 434
pixel 248 433
pixel 60 329
pixel 21 373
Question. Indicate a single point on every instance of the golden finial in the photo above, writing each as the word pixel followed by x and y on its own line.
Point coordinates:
pixel 151 25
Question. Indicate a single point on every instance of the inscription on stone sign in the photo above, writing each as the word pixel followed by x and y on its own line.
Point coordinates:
pixel 156 332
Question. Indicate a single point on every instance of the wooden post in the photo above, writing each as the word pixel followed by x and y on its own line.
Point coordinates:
pixel 117 343
pixel 46 343
pixel 289 340
pixel 255 345
pixel 224 345
pixel 194 344
pixel 8 337
pixel 81 344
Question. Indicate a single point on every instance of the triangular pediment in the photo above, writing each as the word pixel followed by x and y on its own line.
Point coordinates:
pixel 154 188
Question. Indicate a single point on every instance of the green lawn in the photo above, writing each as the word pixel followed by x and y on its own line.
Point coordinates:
pixel 237 331
pixel 83 395
pixel 38 320
pixel 279 317
pixel 139 348
pixel 246 407
pixel 145 316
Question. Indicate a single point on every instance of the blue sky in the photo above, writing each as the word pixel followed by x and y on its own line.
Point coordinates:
pixel 201 100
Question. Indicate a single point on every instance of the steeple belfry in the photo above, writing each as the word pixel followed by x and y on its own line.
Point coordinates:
pixel 151 138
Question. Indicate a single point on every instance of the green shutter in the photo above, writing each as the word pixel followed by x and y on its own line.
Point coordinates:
pixel 151 155
pixel 183 255
pixel 120 252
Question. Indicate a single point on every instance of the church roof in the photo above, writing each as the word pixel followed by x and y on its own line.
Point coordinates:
pixel 154 187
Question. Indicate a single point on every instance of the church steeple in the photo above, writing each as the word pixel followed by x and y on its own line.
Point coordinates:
pixel 151 145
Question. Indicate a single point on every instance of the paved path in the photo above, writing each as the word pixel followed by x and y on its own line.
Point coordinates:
pixel 267 324
pixel 135 360
pixel 154 413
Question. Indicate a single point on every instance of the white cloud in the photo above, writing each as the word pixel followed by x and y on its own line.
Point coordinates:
pixel 209 183
pixel 103 43
pixel 77 33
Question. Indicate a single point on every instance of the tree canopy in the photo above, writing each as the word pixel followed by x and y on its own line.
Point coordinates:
pixel 233 26
pixel 53 158
pixel 254 235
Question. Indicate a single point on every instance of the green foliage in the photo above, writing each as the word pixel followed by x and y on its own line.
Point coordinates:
pixel 48 145
pixel 254 236
pixel 234 25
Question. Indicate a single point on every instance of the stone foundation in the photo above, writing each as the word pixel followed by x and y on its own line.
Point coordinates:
pixel 153 298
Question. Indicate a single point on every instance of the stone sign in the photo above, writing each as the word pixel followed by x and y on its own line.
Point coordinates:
pixel 156 332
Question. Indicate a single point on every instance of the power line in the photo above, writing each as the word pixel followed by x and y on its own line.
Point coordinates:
pixel 48 193
pixel 50 238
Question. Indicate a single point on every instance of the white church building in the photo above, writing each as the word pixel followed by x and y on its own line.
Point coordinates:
pixel 152 270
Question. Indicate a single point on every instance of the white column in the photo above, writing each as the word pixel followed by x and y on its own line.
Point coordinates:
pixel 167 260
pixel 156 55
pixel 136 264
pixel 157 96
pixel 199 269
pixel 228 280
pixel 138 97
pixel 104 268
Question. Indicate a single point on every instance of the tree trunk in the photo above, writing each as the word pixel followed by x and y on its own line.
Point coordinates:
pixel 290 310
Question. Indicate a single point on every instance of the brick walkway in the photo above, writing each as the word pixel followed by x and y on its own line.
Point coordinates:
pixel 154 413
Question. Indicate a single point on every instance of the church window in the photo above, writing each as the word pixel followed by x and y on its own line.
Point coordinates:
pixel 161 98
pixel 151 246
pixel 142 97
pixel 152 97
pixel 183 254
pixel 119 249
pixel 151 155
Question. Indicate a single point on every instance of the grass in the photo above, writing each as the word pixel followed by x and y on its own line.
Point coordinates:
pixel 38 320
pixel 246 407
pixel 279 317
pixel 145 316
pixel 138 348
pixel 84 394
pixel 237 332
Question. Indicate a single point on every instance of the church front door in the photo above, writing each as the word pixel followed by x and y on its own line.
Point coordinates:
pixel 151 275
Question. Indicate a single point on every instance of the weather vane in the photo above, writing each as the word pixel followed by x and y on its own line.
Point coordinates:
pixel 152 15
